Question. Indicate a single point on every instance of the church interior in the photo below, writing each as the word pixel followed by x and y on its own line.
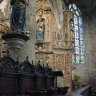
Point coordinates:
pixel 47 48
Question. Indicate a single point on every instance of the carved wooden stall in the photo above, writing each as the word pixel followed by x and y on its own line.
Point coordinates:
pixel 27 79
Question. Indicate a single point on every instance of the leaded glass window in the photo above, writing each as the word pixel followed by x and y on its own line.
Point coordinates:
pixel 78 54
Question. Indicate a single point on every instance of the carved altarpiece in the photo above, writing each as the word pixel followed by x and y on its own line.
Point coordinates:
pixel 61 43
pixel 62 46
pixel 42 45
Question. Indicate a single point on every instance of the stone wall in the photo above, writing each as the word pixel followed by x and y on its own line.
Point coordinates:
pixel 87 70
pixel 90 55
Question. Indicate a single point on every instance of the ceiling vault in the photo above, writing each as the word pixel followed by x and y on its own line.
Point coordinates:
pixel 57 8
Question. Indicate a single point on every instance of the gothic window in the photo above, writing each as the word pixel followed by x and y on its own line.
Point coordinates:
pixel 78 54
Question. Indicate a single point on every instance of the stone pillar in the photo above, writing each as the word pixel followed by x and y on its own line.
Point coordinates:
pixel 18 40
pixel 68 30
pixel 29 47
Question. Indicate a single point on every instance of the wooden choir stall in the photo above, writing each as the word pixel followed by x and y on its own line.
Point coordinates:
pixel 27 79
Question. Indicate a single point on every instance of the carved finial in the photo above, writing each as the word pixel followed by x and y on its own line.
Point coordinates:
pixel 27 59
pixel 47 65
pixel 38 62
pixel 43 64
pixel 32 62
pixel 17 60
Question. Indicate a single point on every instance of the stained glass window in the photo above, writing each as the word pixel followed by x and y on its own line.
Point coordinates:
pixel 78 54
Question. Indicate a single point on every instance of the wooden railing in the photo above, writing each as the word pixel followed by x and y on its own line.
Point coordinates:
pixel 85 91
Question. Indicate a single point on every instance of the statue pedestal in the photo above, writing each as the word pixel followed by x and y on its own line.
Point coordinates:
pixel 15 41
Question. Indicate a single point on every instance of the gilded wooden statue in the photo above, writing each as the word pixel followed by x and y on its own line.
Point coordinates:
pixel 40 26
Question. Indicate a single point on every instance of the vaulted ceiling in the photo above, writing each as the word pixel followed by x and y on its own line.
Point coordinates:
pixel 57 8
pixel 87 7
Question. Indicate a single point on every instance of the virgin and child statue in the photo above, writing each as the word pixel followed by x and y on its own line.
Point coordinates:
pixel 18 15
pixel 40 27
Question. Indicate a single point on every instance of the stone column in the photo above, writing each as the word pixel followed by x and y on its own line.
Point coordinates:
pixel 29 47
